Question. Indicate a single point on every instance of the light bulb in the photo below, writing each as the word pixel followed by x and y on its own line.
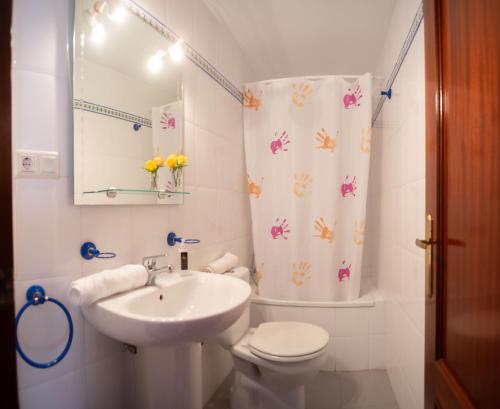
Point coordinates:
pixel 176 51
pixel 155 62
pixel 117 13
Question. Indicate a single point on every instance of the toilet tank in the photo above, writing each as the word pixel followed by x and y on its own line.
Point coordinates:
pixel 233 334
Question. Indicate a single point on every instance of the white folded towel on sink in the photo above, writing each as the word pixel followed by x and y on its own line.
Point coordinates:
pixel 89 289
pixel 222 265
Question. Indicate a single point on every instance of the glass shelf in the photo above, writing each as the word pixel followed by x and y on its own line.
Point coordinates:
pixel 112 192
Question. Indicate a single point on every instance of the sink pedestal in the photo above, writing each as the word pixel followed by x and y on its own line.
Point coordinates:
pixel 169 376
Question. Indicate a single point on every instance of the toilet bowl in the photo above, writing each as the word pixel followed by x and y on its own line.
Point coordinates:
pixel 273 361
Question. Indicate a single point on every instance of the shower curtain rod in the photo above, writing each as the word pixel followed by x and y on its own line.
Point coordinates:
pixel 318 77
pixel 386 93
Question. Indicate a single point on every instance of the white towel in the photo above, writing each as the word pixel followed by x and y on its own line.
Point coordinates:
pixel 222 265
pixel 89 289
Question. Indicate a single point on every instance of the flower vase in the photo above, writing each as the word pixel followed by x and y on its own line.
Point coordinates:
pixel 154 181
pixel 176 179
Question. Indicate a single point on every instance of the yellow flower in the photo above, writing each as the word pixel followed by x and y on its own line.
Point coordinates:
pixel 172 161
pixel 158 160
pixel 150 166
pixel 181 160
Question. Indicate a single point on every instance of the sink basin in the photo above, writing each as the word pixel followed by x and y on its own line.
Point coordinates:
pixel 187 306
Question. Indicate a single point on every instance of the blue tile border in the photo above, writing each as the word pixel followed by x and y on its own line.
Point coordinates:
pixel 111 112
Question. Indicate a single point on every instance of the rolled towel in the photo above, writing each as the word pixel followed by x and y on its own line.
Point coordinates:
pixel 223 264
pixel 89 289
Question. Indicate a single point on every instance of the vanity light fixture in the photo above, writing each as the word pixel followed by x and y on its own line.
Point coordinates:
pixel 176 51
pixel 155 62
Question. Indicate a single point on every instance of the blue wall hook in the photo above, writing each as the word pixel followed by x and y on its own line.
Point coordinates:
pixel 387 93
pixel 89 251
pixel 35 295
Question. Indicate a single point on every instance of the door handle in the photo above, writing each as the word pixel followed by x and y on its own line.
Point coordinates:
pixel 427 245
pixel 423 243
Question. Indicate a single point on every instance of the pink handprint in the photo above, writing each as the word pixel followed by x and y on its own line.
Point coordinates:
pixel 279 144
pixel 348 188
pixel 344 272
pixel 280 229
pixel 351 99
pixel 167 121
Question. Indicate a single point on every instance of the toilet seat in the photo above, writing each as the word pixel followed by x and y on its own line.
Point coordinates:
pixel 288 341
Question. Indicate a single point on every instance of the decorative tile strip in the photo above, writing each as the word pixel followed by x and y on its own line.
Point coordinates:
pixel 417 20
pixel 194 56
pixel 113 113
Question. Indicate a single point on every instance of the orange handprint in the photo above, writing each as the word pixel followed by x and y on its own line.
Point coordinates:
pixel 324 232
pixel 366 140
pixel 300 93
pixel 259 273
pixel 300 272
pixel 359 233
pixel 250 101
pixel 254 188
pixel 327 143
pixel 301 183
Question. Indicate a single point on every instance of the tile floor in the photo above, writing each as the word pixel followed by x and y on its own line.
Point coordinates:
pixel 333 390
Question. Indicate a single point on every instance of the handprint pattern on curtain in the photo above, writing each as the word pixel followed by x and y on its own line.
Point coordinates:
pixel 307 146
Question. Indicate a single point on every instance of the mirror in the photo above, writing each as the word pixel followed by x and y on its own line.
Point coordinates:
pixel 128 108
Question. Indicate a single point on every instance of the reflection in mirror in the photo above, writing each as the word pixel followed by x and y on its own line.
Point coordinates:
pixel 128 108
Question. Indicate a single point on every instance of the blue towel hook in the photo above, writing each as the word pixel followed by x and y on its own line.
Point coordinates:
pixel 89 251
pixel 36 296
pixel 387 93
pixel 172 238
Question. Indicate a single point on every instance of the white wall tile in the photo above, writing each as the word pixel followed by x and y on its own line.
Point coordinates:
pixel 68 391
pixel 205 32
pixel 180 17
pixel 377 352
pixel 377 318
pixel 351 353
pixel 42 35
pixel 46 229
pixel 352 321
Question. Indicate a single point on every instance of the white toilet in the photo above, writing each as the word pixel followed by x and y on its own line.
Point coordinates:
pixel 273 361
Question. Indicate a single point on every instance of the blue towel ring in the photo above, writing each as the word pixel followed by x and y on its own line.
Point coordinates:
pixel 89 251
pixel 172 238
pixel 36 296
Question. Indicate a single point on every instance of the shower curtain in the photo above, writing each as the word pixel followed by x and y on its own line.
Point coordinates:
pixel 307 147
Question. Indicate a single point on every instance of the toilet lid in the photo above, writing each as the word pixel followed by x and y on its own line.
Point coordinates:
pixel 287 339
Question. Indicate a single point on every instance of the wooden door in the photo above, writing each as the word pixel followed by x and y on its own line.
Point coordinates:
pixel 8 383
pixel 462 39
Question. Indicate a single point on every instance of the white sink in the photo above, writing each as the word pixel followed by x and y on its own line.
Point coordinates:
pixel 182 307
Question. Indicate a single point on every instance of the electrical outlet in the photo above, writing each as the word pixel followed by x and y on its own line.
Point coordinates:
pixel 37 164
pixel 26 163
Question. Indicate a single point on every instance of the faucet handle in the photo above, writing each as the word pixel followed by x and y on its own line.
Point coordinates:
pixel 150 261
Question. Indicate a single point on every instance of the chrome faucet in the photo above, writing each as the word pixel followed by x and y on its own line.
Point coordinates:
pixel 150 263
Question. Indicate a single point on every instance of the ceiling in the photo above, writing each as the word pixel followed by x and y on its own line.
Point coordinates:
pixel 286 38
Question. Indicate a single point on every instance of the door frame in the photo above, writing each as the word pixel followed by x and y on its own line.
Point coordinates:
pixel 8 386
pixel 434 166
